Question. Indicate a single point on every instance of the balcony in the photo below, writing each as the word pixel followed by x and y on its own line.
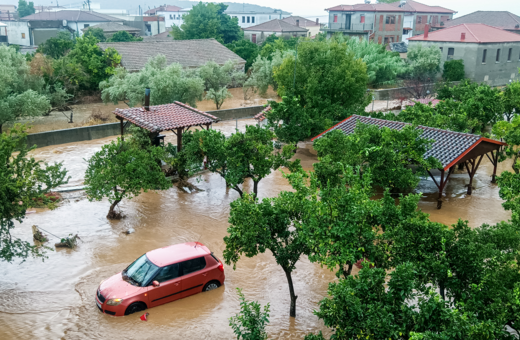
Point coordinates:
pixel 3 39
pixel 342 27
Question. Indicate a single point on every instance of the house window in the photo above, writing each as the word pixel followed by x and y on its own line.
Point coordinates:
pixel 419 19
pixel 171 16
pixel 484 56
pixel 248 19
pixel 498 55
pixel 335 18
pixel 451 52
pixel 23 35
pixel 269 17
pixel 243 20
pixel 441 49
pixel 510 54
pixel 389 40
pixel 86 25
pixel 362 19
pixel 253 20
pixel 390 19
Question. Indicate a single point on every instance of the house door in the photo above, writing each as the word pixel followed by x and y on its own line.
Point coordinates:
pixel 347 21
pixel 253 38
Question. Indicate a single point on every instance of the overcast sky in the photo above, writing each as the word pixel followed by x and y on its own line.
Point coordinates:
pixel 310 9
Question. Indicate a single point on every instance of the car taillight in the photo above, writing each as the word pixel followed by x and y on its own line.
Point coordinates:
pixel 220 266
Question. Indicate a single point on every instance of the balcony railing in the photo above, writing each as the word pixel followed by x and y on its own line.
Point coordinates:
pixel 352 27
pixel 3 38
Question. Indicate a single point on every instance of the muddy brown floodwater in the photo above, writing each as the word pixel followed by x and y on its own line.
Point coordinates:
pixel 55 299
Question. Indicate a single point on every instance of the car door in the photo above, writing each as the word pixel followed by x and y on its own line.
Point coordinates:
pixel 193 276
pixel 169 288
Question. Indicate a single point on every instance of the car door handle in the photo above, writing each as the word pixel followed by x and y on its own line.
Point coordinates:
pixel 176 283
pixel 204 274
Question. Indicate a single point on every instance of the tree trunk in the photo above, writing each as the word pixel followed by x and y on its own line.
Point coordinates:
pixel 442 290
pixel 292 311
pixel 238 190
pixel 111 213
pixel 255 188
pixel 346 273
pixel 1 128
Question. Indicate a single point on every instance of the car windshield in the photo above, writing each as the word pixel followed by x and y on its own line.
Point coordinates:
pixel 141 271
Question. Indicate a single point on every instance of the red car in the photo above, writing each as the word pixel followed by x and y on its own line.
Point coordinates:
pixel 160 276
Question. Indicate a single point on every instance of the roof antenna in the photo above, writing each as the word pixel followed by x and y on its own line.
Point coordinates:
pixel 200 235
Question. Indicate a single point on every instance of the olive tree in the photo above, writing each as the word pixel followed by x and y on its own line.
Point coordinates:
pixel 168 83
pixel 121 171
pixel 20 93
pixel 217 79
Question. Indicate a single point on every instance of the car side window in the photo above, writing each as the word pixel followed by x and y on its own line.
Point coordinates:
pixel 168 273
pixel 194 265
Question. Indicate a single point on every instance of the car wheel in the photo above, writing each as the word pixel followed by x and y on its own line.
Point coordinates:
pixel 211 285
pixel 135 307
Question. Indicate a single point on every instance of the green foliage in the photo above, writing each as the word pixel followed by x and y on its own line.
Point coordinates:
pixel 25 9
pixel 386 153
pixel 297 123
pixel 248 155
pixel 218 96
pixel 267 225
pixel 207 20
pixel 121 171
pixel 382 66
pixel 480 102
pixel 262 72
pixel 99 65
pixel 68 73
pixel 167 83
pixel 423 63
pixel 123 36
pixel 510 133
pixel 511 99
pixel 20 93
pixel 274 43
pixel 328 79
pixel 217 78
pixel 246 50
pixel 453 70
pixel 58 46
pixel 250 323
pixel 96 32
pixel 23 182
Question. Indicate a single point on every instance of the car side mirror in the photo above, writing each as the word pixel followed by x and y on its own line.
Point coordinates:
pixel 156 283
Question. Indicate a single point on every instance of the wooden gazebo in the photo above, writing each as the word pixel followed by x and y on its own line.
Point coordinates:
pixel 449 147
pixel 176 117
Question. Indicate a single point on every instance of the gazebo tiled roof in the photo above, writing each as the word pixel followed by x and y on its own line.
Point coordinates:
pixel 261 116
pixel 166 117
pixel 449 147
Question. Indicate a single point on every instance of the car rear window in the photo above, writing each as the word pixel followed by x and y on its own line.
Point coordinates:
pixel 193 265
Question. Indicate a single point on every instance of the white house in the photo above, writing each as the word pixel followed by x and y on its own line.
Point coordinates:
pixel 247 14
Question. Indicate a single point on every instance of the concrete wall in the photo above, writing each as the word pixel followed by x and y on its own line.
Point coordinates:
pixel 56 137
pixel 492 72
pixel 15 29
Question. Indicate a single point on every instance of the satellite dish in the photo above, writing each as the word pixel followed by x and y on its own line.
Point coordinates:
pixel 64 22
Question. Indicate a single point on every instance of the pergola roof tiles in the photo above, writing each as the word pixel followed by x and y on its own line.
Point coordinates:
pixel 449 147
pixel 166 117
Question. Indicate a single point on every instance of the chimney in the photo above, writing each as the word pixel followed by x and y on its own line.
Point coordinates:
pixel 426 31
pixel 317 21
pixel 298 23
pixel 463 36
pixel 147 99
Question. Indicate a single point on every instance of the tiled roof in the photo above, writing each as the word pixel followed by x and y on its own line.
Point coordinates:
pixel 109 27
pixel 365 8
pixel 303 22
pixel 188 53
pixel 261 116
pixel 414 6
pixel 71 15
pixel 500 19
pixel 474 33
pixel 275 25
pixel 448 146
pixel 166 117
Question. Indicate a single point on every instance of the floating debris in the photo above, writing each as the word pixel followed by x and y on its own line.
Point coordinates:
pixel 68 242
pixel 38 235
pixel 129 231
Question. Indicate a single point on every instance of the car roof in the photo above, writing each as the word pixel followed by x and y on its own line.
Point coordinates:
pixel 177 253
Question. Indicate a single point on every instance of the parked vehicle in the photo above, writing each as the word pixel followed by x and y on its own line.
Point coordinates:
pixel 160 276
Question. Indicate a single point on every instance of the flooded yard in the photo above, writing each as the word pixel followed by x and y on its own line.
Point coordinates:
pixel 55 299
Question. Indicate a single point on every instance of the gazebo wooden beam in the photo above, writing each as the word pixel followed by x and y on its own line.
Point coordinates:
pixel 471 172
pixel 442 184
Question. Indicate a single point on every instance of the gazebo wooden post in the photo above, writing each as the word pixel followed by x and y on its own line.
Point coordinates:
pixel 207 126
pixel 442 184
pixel 494 155
pixel 472 171
pixel 122 129
pixel 179 139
